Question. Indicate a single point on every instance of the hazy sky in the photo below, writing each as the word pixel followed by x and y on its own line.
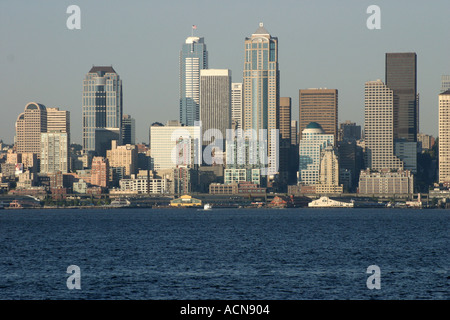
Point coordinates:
pixel 321 44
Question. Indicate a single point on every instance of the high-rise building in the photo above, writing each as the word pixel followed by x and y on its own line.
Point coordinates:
pixel 314 140
pixel 174 145
pixel 349 131
pixel 100 172
pixel 124 156
pixel 58 120
pixel 128 130
pixel 54 152
pixel 284 126
pixel 261 85
pixel 193 58
pixel 102 105
pixel 29 126
pixel 401 78
pixel 444 137
pixel 379 127
pixel 445 83
pixel 329 172
pixel 236 105
pixel 321 106
pixel 215 105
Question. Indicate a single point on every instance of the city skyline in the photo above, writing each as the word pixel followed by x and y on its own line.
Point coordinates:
pixel 303 30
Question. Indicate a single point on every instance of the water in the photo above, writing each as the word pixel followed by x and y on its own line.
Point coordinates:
pixel 288 254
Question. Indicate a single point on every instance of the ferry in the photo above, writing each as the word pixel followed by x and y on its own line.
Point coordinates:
pixel 119 203
pixel 326 202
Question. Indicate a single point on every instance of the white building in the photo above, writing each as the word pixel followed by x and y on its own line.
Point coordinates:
pixel 236 104
pixel 313 141
pixel 444 137
pixel 54 152
pixel 174 145
pixel 379 127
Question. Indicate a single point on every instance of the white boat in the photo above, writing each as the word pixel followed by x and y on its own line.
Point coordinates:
pixel 120 203
pixel 207 207
pixel 325 202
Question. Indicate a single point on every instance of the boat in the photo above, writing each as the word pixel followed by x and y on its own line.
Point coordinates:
pixel 120 202
pixel 326 202
pixel 207 207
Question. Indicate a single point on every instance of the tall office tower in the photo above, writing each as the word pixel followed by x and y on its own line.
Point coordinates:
pixel 349 131
pixel 379 127
pixel 314 141
pixel 29 126
pixel 444 137
pixel 237 104
pixel 321 106
pixel 102 106
pixel 284 126
pixel 401 78
pixel 215 105
pixel 55 152
pixel 445 83
pixel 58 120
pixel 193 58
pixel 261 84
pixel 128 130
pixel 294 132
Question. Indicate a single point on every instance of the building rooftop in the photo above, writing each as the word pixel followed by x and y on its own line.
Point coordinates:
pixel 104 69
pixel 261 29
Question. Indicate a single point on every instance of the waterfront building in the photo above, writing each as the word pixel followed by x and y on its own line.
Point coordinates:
pixel 386 182
pixel 102 107
pixel 193 58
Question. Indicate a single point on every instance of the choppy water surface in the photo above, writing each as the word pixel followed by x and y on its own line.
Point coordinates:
pixel 288 254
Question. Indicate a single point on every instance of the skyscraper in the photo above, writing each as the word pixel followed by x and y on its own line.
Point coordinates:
pixel 54 152
pixel 102 105
pixel 261 82
pixel 401 78
pixel 445 83
pixel 128 130
pixel 321 106
pixel 29 126
pixel 379 127
pixel 215 104
pixel 193 58
pixel 444 137
pixel 58 120
pixel 236 105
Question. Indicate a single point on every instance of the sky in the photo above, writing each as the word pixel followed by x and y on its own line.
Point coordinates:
pixel 322 44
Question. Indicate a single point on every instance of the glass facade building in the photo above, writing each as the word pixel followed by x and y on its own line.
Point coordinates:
pixel 193 58
pixel 102 104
